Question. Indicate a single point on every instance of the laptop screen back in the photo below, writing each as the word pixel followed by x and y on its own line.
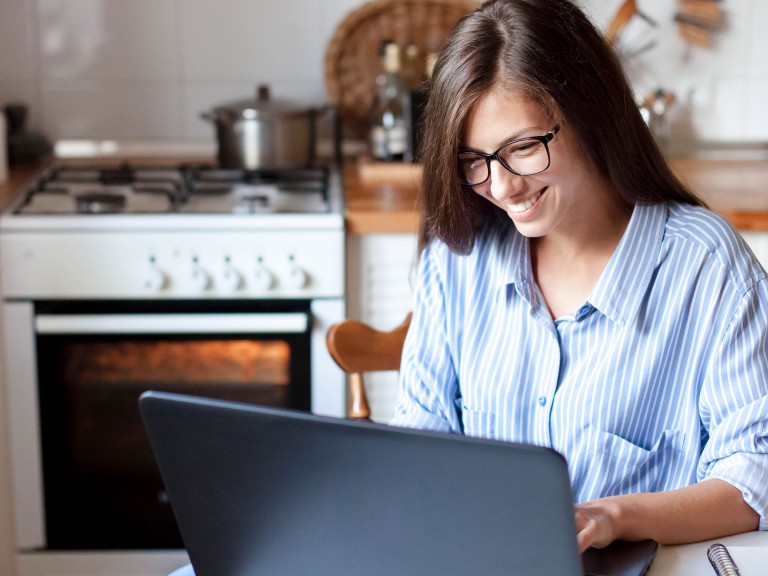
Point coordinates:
pixel 258 491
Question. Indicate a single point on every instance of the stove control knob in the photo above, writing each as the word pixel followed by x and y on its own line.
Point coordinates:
pixel 155 279
pixel 201 280
pixel 262 277
pixel 297 276
pixel 231 279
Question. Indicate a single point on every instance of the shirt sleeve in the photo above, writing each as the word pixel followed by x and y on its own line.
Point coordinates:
pixel 428 396
pixel 734 403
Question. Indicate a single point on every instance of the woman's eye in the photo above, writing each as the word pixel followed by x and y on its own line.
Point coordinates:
pixel 471 162
pixel 520 149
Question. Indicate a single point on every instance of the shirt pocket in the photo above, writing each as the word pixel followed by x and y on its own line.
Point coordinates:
pixel 618 466
pixel 478 423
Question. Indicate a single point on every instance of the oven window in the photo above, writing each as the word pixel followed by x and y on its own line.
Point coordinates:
pixel 102 487
pixel 227 368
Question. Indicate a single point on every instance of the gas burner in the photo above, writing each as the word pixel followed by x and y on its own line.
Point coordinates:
pixel 105 190
pixel 221 191
pixel 252 203
pixel 99 202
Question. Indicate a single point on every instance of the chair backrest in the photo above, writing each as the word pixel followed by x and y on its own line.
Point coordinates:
pixel 358 348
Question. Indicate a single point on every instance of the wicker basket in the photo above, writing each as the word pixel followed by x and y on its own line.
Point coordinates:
pixel 352 57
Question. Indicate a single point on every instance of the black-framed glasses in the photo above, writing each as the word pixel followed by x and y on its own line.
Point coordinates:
pixel 524 157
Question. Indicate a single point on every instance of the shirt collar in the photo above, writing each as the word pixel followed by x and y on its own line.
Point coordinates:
pixel 623 284
pixel 514 265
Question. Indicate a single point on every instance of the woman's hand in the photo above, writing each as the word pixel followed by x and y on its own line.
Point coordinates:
pixel 709 509
pixel 595 525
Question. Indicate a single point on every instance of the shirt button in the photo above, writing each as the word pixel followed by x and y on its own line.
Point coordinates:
pixel 542 400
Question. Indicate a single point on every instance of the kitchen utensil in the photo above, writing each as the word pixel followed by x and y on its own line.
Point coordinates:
pixel 698 20
pixel 16 115
pixel 624 14
pixel 654 108
pixel 24 147
pixel 263 133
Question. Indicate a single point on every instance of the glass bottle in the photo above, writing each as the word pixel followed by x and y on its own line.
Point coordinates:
pixel 389 113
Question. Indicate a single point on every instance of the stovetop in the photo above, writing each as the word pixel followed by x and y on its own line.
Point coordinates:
pixel 130 231
pixel 156 190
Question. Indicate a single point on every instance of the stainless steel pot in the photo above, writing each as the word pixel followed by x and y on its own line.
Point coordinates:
pixel 263 133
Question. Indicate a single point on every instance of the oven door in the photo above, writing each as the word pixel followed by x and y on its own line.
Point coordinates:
pixel 101 488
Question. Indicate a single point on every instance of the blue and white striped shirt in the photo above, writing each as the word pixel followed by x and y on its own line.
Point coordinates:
pixel 658 381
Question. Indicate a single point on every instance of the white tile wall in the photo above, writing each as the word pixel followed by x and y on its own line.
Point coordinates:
pixel 148 68
pixel 140 110
pixel 18 50
pixel 245 39
pixel 108 41
pixel 19 68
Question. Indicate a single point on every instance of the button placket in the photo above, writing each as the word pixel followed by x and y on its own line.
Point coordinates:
pixel 551 358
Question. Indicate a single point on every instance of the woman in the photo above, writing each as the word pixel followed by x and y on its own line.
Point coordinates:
pixel 573 293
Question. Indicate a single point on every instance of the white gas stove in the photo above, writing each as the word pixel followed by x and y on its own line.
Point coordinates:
pixel 120 277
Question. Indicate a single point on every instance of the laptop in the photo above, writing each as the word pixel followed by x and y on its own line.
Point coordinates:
pixel 260 491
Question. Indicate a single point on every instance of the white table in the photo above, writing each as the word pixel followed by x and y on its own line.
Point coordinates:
pixel 682 560
pixel 691 559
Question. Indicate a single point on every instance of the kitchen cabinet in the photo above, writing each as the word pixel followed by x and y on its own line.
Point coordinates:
pixel 381 221
pixel 380 269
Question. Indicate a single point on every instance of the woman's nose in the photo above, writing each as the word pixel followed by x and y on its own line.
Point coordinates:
pixel 503 182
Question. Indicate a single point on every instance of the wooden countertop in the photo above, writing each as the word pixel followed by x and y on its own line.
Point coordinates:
pixel 382 199
pixel 737 189
pixel 17 179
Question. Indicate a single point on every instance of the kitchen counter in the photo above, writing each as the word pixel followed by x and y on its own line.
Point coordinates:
pixel 383 200
pixel 17 179
pixel 737 189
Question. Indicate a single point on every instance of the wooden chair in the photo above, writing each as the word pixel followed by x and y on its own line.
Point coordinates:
pixel 358 348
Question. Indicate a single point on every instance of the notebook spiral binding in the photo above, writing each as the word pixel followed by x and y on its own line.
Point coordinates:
pixel 721 560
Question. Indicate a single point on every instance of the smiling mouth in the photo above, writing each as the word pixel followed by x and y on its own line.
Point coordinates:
pixel 524 206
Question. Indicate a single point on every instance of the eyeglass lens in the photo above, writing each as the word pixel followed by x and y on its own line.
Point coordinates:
pixel 523 157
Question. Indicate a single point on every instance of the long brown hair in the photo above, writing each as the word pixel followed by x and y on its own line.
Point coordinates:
pixel 549 50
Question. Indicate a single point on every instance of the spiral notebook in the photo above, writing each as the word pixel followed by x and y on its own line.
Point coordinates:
pixel 261 491
pixel 738 560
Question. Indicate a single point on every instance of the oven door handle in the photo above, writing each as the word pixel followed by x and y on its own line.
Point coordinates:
pixel 241 323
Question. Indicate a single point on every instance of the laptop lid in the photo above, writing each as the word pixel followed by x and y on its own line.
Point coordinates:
pixel 262 491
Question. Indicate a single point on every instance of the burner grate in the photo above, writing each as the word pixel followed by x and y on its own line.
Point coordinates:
pixel 128 189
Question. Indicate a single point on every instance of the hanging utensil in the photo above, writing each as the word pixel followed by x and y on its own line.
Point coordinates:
pixel 626 12
pixel 697 20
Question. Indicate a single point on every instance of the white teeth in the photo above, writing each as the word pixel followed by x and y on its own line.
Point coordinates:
pixel 523 206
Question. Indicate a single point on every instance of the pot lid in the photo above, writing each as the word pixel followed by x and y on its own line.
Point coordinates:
pixel 263 106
